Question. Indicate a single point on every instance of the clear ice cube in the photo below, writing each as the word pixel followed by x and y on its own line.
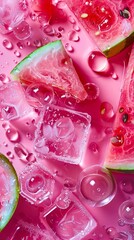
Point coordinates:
pixel 71 223
pixel 13 103
pixel 62 134
pixel 28 231
pixel 37 185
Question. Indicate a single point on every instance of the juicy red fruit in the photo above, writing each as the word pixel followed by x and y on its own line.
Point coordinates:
pixel 98 14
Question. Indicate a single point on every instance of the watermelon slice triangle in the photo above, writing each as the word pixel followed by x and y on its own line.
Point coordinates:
pixel 50 65
pixel 121 150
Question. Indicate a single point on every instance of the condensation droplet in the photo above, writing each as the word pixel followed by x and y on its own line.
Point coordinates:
pixel 73 36
pixel 10 155
pixel 127 186
pixel 93 91
pixel 98 62
pixel 111 231
pixel 12 135
pixel 17 53
pixel 21 152
pixel 20 45
pixel 71 19
pixel 114 76
pixel 7 44
pixel 106 111
pixel 76 28
pixel 69 48
pixel 93 146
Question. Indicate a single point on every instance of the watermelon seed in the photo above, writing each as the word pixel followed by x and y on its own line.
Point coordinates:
pixel 125 117
pixel 121 110
pixel 125 13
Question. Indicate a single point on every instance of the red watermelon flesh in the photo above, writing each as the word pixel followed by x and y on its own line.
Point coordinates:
pixel 121 149
pixel 110 23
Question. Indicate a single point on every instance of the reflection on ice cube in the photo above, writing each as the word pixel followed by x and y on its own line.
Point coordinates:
pixel 11 14
pixel 37 185
pixel 62 134
pixel 13 103
pixel 27 231
pixel 71 223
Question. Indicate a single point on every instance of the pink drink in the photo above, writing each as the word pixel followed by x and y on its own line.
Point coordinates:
pixel 56 143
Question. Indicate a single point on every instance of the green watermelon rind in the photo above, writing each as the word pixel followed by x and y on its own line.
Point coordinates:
pixel 38 52
pixel 119 46
pixel 123 167
pixel 11 169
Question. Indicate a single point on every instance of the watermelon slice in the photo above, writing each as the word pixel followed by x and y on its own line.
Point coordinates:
pixel 121 151
pixel 110 23
pixel 9 191
pixel 50 65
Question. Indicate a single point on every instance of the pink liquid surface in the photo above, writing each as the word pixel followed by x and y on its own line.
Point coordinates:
pixel 17 136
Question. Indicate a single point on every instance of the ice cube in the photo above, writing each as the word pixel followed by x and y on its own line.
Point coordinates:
pixel 62 134
pixel 13 103
pixel 11 14
pixel 71 223
pixel 28 231
pixel 37 185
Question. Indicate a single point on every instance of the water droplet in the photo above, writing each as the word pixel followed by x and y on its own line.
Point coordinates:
pixel 12 135
pixel 106 111
pixel 94 147
pixel 4 79
pixel 114 76
pixel 33 16
pixel 117 140
pixel 21 152
pixel 109 131
pixel 8 112
pixel 69 184
pixel 73 36
pixel 98 62
pixel 10 155
pixel 7 44
pixel 49 30
pixel 5 125
pixel 127 186
pixel 93 91
pixel 76 28
pixel 20 45
pixel 35 183
pixel 17 53
pixel 70 102
pixel 121 222
pixel 71 19
pixel 22 31
pixel 69 48
pixel 60 29
pixel 126 211
pixel 43 19
pixel 111 231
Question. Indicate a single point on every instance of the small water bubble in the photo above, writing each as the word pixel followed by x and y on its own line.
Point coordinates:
pixel 108 131
pixel 37 43
pixel 8 44
pixel 106 111
pixel 70 102
pixel 5 144
pixel 21 152
pixel 111 231
pixel 69 48
pixel 20 45
pixel 49 30
pixel 4 79
pixel 63 200
pixel 126 211
pixel 35 183
pixel 17 53
pixel 61 4
pixel 76 28
pixel 71 19
pixel 73 36
pixel 43 19
pixel 98 62
pixel 33 16
pixel 12 135
pixel 5 125
pixel 10 155
pixel 8 112
pixel 114 76
pixel 127 186
pixel 93 91
pixel 93 146
pixel 22 31
pixel 60 29
pixel 121 222
pixel 69 184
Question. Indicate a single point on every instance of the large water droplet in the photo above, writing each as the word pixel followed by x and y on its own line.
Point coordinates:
pixel 21 152
pixel 73 36
pixel 98 62
pixel 12 135
pixel 106 111
pixel 93 91
pixel 22 31
pixel 7 44
pixel 35 183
